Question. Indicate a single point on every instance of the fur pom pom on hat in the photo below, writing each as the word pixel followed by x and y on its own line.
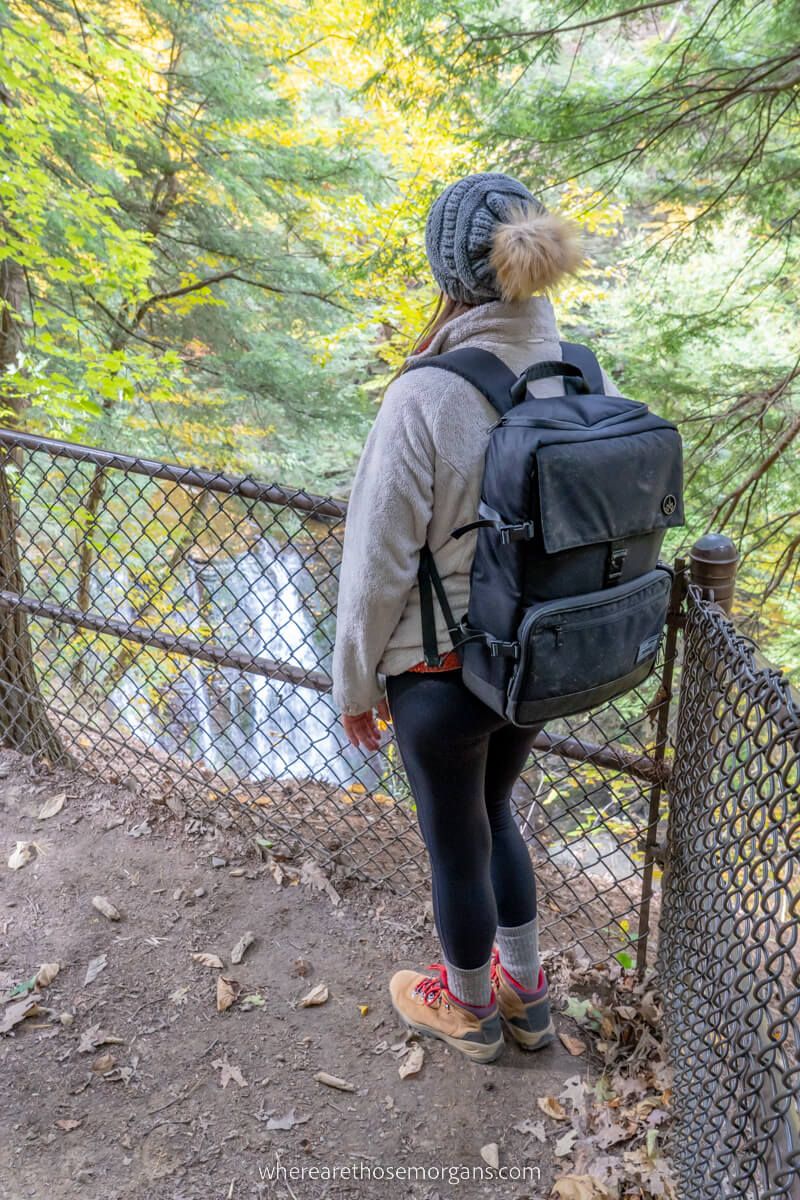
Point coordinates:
pixel 488 238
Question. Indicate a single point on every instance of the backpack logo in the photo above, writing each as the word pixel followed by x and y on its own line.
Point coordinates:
pixel 669 504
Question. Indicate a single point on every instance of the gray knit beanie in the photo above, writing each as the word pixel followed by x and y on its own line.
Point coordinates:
pixel 460 231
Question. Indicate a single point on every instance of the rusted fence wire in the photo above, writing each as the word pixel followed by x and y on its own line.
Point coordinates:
pixel 730 916
pixel 175 626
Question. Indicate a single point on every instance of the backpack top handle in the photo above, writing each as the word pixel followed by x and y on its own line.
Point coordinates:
pixel 574 381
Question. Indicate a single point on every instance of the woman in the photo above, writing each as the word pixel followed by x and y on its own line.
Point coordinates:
pixel 494 250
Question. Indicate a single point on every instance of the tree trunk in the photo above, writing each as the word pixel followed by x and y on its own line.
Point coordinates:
pixel 24 723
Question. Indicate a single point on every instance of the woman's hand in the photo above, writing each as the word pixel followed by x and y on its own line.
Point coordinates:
pixel 362 729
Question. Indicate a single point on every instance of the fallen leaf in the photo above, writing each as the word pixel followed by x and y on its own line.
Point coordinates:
pixel 47 973
pixel 22 989
pixel 209 960
pixel 412 1063
pixel 52 806
pixel 17 1010
pixel 176 806
pixel 491 1155
pixel 252 1001
pixel 582 1011
pixel 611 1134
pixel 534 1128
pixel 103 1063
pixel 551 1108
pixel 228 1072
pixel 574 1092
pixel 238 951
pixel 94 1036
pixel 68 1123
pixel 333 1081
pixel 96 965
pixel 22 854
pixel 580 1187
pixel 317 995
pixel 312 873
pixel 363 1009
pixel 288 1122
pixel 565 1143
pixel 227 991
pixel 106 908
pixel 573 1044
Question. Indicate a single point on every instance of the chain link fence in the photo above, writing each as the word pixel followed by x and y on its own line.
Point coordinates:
pixel 730 917
pixel 175 627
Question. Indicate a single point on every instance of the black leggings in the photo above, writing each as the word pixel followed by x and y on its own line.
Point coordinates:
pixel 462 761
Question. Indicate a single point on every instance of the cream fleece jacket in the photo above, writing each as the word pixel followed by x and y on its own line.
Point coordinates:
pixel 419 477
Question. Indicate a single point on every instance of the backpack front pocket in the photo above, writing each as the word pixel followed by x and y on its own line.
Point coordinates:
pixel 581 651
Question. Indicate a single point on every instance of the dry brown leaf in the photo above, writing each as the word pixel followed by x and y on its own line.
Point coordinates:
pixel 412 1063
pixel 94 1036
pixel 228 1072
pixel 333 1081
pixel 209 960
pixel 47 973
pixel 18 1010
pixel 317 995
pixel 106 908
pixel 551 1108
pixel 573 1044
pixel 311 872
pixel 580 1187
pixel 52 807
pixel 238 951
pixel 96 965
pixel 227 991
pixel 104 1062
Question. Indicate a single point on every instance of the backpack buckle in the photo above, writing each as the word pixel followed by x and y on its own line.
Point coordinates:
pixel 617 554
pixel 516 533
pixel 504 649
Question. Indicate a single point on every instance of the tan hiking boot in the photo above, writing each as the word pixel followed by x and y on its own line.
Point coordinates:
pixel 422 1001
pixel 526 1014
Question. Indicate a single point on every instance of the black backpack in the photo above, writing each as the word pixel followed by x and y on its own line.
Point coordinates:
pixel 568 600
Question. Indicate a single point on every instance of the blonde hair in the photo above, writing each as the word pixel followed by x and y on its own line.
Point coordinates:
pixel 446 309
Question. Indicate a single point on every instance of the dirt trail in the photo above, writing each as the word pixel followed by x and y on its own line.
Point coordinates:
pixel 159 1125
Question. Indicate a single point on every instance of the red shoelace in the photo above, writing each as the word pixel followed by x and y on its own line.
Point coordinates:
pixel 432 986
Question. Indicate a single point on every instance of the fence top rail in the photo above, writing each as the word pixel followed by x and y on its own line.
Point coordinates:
pixel 214 481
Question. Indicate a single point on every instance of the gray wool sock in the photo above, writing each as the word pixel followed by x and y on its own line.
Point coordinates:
pixel 472 986
pixel 519 952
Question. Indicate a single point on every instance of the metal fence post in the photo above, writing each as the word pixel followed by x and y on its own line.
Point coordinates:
pixel 713 562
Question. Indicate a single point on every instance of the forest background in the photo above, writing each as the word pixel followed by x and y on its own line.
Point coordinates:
pixel 212 214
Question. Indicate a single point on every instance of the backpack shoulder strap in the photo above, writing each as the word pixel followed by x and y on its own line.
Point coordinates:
pixel 481 368
pixel 582 358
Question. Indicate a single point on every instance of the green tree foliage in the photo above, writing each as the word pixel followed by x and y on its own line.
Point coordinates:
pixel 155 195
pixel 687 115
